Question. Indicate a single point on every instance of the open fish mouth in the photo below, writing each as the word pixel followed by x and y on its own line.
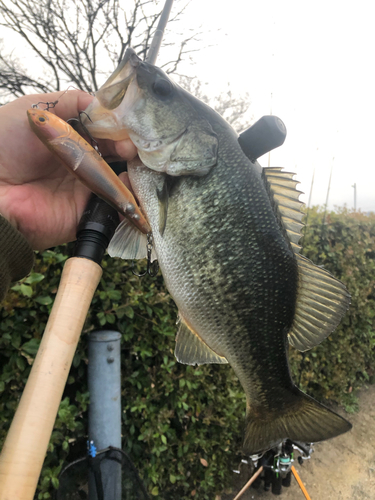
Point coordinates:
pixel 104 116
pixel 122 109
pixel 113 91
pixel 110 98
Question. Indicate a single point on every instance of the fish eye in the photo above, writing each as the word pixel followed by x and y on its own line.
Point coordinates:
pixel 41 119
pixel 162 87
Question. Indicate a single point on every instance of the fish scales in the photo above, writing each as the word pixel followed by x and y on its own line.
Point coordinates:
pixel 220 230
pixel 205 263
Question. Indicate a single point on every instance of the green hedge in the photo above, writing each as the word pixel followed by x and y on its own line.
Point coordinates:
pixel 345 246
pixel 182 425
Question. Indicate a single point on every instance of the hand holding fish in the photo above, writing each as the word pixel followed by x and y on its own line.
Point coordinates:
pixel 37 193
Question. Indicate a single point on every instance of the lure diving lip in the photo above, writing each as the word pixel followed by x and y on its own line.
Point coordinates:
pixel 86 164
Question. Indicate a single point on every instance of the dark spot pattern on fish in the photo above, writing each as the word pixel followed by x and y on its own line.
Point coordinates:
pixel 226 256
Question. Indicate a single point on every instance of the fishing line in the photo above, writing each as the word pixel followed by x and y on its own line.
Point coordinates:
pixel 49 105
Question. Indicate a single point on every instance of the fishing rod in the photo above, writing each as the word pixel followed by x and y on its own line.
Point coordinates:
pixel 26 444
pixel 153 51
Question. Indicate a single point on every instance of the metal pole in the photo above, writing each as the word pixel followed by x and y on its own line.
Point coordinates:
pixel 326 205
pixel 104 372
pixel 104 379
pixel 311 190
pixel 309 202
pixel 355 196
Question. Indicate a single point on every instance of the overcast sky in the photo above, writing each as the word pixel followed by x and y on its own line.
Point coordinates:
pixel 317 61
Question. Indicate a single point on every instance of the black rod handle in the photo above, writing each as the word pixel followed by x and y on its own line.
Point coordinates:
pixel 97 225
pixel 268 133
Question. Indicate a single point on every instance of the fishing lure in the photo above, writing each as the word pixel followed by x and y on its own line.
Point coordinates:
pixel 86 164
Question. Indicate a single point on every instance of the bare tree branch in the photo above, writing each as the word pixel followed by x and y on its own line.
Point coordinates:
pixel 75 42
pixel 14 80
pixel 78 42
pixel 234 108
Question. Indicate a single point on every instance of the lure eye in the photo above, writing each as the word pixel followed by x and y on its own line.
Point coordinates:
pixel 41 119
pixel 162 87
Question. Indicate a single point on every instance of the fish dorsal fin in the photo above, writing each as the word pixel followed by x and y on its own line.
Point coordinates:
pixel 322 301
pixel 285 196
pixel 129 243
pixel 192 350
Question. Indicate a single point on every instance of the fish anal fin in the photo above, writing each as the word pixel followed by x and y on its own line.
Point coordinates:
pixel 316 315
pixel 192 350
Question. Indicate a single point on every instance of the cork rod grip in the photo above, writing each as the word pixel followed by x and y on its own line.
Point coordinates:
pixel 26 444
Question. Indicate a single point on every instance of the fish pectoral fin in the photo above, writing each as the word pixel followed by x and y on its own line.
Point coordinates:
pixel 195 152
pixel 322 301
pixel 192 350
pixel 163 197
pixel 164 193
pixel 128 243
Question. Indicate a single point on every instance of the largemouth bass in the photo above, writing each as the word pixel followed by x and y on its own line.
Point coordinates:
pixel 226 236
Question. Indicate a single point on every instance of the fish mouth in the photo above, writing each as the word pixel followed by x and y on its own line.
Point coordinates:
pixel 110 98
pixel 149 145
pixel 110 115
pixel 100 117
pixel 111 94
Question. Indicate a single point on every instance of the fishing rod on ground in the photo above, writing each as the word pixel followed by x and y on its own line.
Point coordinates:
pixel 26 443
pixel 275 467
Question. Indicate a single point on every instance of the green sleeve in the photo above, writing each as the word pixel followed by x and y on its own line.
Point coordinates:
pixel 16 256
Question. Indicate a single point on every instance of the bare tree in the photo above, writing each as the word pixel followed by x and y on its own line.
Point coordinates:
pixel 77 42
pixel 234 108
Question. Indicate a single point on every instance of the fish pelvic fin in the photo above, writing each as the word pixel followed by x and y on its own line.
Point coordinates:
pixel 302 419
pixel 192 350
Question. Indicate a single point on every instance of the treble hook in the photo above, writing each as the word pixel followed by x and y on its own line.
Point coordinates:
pixel 94 143
pixel 152 267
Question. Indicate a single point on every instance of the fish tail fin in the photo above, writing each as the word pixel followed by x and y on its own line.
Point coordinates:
pixel 302 419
